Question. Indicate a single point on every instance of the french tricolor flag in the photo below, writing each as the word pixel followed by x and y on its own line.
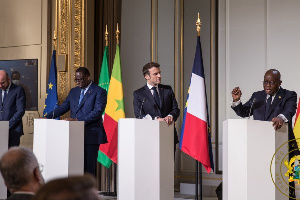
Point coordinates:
pixel 195 139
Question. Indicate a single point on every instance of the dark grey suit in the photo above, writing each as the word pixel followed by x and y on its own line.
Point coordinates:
pixel 12 110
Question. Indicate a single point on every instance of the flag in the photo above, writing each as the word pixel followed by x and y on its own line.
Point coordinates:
pixel 114 110
pixel 195 138
pixel 297 123
pixel 51 92
pixel 104 83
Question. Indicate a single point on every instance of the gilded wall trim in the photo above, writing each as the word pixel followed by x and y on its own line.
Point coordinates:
pixel 70 31
pixel 63 45
pixel 78 33
pixel 63 24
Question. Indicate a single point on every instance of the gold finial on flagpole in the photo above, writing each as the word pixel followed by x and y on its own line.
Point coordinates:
pixel 117 33
pixel 198 24
pixel 106 36
pixel 54 39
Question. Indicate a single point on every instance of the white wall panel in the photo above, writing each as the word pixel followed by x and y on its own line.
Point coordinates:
pixel 21 22
pixel 256 35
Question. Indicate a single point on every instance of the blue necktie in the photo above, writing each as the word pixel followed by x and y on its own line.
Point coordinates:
pixel 156 96
pixel 81 96
pixel 268 105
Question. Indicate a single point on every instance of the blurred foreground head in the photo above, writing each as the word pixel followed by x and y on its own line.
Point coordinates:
pixel 72 188
pixel 20 170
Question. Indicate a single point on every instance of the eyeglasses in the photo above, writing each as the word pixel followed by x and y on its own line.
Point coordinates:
pixel 40 167
pixel 78 80
pixel 269 83
pixel 2 83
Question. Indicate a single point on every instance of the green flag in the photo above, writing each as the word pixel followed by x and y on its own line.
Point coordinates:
pixel 104 83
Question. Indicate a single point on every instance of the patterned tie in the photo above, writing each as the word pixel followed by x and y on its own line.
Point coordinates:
pixel 81 96
pixel 156 96
pixel 268 105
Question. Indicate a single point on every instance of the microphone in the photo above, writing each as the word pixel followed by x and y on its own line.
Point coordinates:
pixel 251 107
pixel 142 107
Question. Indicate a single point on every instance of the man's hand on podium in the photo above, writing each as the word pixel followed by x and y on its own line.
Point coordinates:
pixel 169 120
pixel 277 122
pixel 71 119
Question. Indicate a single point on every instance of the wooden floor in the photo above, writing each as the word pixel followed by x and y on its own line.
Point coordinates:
pixel 177 196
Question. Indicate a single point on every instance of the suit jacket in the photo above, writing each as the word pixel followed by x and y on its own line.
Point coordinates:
pixel 168 102
pixel 13 109
pixel 144 103
pixel 89 110
pixel 20 196
pixel 285 102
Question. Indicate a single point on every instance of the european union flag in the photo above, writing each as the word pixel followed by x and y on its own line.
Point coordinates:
pixel 51 94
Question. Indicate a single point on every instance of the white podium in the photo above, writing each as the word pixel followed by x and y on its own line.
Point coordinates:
pixel 248 149
pixel 145 160
pixel 4 127
pixel 59 147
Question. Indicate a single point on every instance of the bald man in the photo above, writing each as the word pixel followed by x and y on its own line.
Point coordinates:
pixel 273 104
pixel 12 107
pixel 21 173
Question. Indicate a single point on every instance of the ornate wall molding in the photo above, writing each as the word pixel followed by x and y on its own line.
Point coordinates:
pixel 78 30
pixel 70 31
pixel 63 45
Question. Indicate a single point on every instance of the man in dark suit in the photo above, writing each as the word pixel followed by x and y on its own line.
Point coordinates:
pixel 86 102
pixel 21 173
pixel 155 99
pixel 12 107
pixel 271 104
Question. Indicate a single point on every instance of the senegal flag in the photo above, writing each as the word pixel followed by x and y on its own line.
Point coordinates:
pixel 104 83
pixel 114 110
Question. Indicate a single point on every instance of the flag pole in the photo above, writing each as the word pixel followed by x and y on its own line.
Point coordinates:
pixel 115 169
pixel 108 170
pixel 198 176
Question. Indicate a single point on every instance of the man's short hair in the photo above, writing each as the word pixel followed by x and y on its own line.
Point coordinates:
pixel 17 166
pixel 15 72
pixel 76 187
pixel 83 70
pixel 149 66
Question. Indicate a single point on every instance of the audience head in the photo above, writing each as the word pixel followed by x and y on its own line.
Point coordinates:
pixel 20 170
pixel 72 188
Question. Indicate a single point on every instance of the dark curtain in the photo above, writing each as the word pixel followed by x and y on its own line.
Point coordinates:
pixel 107 12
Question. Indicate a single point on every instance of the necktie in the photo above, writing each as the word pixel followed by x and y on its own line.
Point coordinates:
pixel 156 96
pixel 268 104
pixel 81 96
pixel 5 94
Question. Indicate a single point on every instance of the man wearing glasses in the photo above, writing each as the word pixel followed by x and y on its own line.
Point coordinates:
pixel 12 107
pixel 271 104
pixel 21 173
pixel 86 102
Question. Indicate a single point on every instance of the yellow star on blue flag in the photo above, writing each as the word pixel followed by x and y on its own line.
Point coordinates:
pixel 51 94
